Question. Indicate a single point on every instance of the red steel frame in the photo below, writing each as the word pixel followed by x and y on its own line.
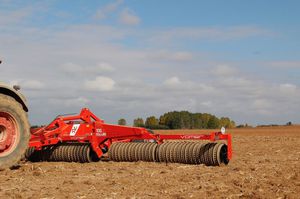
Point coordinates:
pixel 88 128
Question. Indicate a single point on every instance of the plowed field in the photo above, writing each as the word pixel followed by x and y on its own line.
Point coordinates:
pixel 265 164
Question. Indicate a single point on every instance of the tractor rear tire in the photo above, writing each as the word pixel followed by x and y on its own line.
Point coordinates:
pixel 14 132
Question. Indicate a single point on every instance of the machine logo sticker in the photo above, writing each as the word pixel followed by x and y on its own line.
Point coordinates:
pixel 74 129
pixel 190 137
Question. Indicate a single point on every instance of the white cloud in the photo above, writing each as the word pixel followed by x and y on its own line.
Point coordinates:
pixel 179 56
pixel 224 70
pixel 263 107
pixel 127 17
pixel 71 67
pixel 32 84
pixel 104 67
pixel 69 102
pixel 261 104
pixel 80 101
pixel 101 83
pixel 173 81
pixel 287 88
pixel 107 9
pixel 101 67
pixel 207 103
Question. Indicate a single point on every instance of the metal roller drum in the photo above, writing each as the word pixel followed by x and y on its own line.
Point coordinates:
pixel 210 154
pixel 132 152
pixel 65 152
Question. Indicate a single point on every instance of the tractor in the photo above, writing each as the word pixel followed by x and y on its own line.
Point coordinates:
pixel 14 126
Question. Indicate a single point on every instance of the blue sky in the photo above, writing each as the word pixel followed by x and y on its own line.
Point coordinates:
pixel 129 58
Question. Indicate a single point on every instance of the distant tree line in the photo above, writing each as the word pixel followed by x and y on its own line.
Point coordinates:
pixel 122 121
pixel 184 120
pixel 274 125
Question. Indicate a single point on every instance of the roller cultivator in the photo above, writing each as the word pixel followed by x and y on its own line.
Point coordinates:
pixel 86 138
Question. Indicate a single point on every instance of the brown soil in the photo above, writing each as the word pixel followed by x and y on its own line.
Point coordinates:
pixel 266 164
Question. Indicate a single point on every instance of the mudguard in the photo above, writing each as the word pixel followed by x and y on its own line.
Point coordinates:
pixel 7 90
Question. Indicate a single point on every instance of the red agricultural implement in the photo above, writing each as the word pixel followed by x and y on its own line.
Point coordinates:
pixel 86 138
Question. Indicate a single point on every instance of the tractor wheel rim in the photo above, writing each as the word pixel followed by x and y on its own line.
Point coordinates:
pixel 9 134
